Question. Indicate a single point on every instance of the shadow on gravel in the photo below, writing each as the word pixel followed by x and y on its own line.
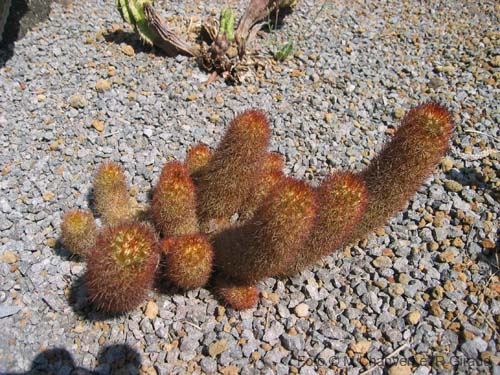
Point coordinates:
pixel 112 359
pixel 131 39
pixel 469 177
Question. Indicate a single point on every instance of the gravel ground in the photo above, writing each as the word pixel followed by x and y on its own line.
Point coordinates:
pixel 419 296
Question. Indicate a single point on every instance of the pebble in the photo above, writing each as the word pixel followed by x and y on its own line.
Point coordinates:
pixel 8 257
pixel 102 85
pixel 452 185
pixel 128 50
pixel 400 369
pixel 301 310
pixel 151 310
pixel 361 347
pixel 78 101
pixel 217 348
pixel 413 317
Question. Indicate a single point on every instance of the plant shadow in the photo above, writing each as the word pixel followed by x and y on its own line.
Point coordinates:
pixel 119 358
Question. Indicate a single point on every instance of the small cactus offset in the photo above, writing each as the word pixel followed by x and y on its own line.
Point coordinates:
pixel 174 203
pixel 189 260
pixel 233 213
pixel 111 194
pixel 78 231
pixel 121 266
pixel 238 297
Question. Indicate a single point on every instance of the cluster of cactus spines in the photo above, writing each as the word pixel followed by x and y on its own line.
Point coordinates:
pixel 189 260
pixel 268 243
pixel 111 194
pixel 197 157
pixel 284 225
pixel 342 199
pixel 174 202
pixel 404 164
pixel 239 297
pixel 121 266
pixel 78 231
pixel 225 183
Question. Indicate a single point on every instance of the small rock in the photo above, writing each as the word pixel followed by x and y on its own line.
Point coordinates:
pixel 102 85
pixel 495 61
pixel 191 97
pixel 77 101
pixel 361 347
pixel 217 348
pixel 382 262
pixel 396 289
pixel 413 317
pixel 446 164
pixel 400 370
pixel 301 310
pixel 6 311
pixel 98 125
pixel 447 256
pixel 8 257
pixel 452 185
pixel 127 50
pixel 435 309
pixel 151 310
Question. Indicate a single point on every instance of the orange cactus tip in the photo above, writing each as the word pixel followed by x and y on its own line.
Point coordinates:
pixel 432 116
pixel 252 123
pixel 110 175
pixel 238 297
pixel 197 157
pixel 189 260
pixel 174 170
pixel 78 231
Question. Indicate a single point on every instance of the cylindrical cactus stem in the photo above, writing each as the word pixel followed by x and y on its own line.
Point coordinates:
pixel 342 199
pixel 78 231
pixel 121 266
pixel 111 195
pixel 226 181
pixel 174 201
pixel 267 181
pixel 269 242
pixel 197 157
pixel 189 260
pixel 404 163
pixel 236 296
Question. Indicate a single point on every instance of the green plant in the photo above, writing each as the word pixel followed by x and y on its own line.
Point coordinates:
pixel 233 213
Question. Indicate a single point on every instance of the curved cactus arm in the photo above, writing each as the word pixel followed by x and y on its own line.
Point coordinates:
pixel 141 24
pixel 122 7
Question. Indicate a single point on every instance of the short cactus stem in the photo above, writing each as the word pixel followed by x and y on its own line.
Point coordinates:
pixel 189 260
pixel 197 157
pixel 174 201
pixel 121 266
pixel 111 195
pixel 225 183
pixel 79 231
pixel 236 296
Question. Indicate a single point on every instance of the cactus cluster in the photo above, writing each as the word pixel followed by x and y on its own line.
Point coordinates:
pixel 229 217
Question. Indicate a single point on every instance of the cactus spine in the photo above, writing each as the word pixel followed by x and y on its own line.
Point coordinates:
pixel 121 266
pixel 404 163
pixel 174 201
pixel 78 231
pixel 197 157
pixel 111 195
